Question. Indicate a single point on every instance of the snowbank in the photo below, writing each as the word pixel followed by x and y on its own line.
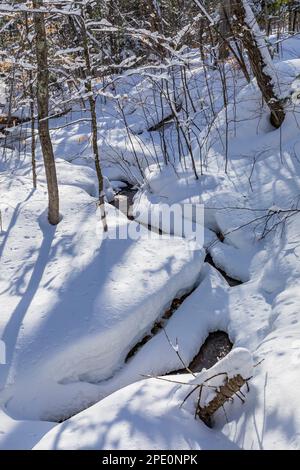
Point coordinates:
pixel 158 421
pixel 74 304
pixel 21 435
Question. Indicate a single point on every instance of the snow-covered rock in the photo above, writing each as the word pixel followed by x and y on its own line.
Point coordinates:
pixel 81 302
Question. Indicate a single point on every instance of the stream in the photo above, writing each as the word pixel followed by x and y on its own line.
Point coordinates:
pixel 217 344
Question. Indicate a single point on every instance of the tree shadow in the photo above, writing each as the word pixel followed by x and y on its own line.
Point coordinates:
pixel 11 331
pixel 123 422
pixel 13 221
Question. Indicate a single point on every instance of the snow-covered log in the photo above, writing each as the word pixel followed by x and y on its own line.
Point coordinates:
pixel 222 383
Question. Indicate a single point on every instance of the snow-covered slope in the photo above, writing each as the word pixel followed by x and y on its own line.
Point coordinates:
pixel 73 303
pixel 165 421
pixel 21 435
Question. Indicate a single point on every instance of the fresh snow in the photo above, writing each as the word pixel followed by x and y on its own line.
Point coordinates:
pixel 22 435
pixel 118 422
pixel 87 302
pixel 73 305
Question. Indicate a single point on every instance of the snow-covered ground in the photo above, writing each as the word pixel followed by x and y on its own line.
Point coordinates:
pixel 118 422
pixel 73 305
pixel 87 300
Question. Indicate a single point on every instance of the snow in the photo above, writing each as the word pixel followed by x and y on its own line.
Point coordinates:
pixel 22 435
pixel 261 314
pixel 74 304
pixel 118 422
pixel 259 36
pixel 204 311
pixel 87 300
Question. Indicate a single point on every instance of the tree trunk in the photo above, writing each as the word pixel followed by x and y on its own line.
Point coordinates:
pixel 33 161
pixel 92 103
pixel 224 28
pixel 247 30
pixel 31 95
pixel 150 11
pixel 43 110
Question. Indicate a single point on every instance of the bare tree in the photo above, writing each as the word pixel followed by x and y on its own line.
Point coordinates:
pixel 43 111
pixel 92 104
pixel 248 31
pixel 32 116
pixel 224 27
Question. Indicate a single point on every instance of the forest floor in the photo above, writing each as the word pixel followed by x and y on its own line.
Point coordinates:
pixel 74 304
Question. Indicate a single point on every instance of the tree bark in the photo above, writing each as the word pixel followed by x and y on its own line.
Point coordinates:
pixel 229 389
pixel 247 31
pixel 92 104
pixel 31 95
pixel 224 27
pixel 43 111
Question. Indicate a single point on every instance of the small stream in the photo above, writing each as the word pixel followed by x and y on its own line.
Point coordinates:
pixel 158 325
pixel 217 344
pixel 232 282
pixel 125 195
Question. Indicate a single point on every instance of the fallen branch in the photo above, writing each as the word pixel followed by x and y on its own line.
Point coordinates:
pixel 232 387
pixel 165 120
